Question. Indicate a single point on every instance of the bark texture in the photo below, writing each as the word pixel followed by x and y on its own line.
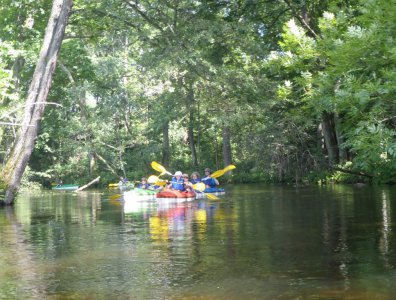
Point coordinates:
pixel 227 155
pixel 330 137
pixel 37 96
pixel 165 144
pixel 191 142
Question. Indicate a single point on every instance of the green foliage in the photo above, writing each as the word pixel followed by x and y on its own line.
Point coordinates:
pixel 125 70
pixel 374 146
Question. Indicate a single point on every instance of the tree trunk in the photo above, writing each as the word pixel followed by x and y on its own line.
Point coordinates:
pixel 343 153
pixel 227 155
pixel 191 142
pixel 16 72
pixel 165 144
pixel 92 162
pixel 34 107
pixel 330 137
pixel 110 168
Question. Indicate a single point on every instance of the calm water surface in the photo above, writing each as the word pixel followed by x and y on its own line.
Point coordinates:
pixel 256 242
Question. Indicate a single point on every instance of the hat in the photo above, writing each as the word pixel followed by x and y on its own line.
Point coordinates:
pixel 178 173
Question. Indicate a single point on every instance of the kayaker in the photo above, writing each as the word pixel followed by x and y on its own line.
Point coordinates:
pixel 143 184
pixel 122 181
pixel 187 182
pixel 209 181
pixel 195 178
pixel 177 182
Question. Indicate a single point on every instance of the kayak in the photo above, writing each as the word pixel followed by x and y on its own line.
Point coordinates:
pixel 65 187
pixel 199 195
pixel 215 191
pixel 139 195
pixel 121 186
pixel 174 194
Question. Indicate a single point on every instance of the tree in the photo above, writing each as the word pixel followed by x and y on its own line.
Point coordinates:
pixel 13 170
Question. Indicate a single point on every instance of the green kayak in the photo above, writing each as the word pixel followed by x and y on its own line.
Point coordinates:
pixel 139 194
pixel 65 187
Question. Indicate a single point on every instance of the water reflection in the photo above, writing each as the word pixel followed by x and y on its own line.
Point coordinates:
pixel 386 226
pixel 256 242
pixel 18 261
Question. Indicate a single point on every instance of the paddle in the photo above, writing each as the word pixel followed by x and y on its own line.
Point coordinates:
pixel 200 187
pixel 155 180
pixel 152 179
pixel 211 196
pixel 222 171
pixel 156 166
pixel 229 168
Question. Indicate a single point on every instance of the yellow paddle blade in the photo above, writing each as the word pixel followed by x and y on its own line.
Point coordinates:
pixel 152 179
pixel 156 166
pixel 222 171
pixel 229 168
pixel 200 186
pixel 211 196
pixel 217 174
pixel 160 183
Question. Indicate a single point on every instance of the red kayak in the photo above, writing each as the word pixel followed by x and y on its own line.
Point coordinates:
pixel 188 195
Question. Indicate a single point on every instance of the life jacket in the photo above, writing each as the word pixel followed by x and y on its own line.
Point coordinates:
pixel 210 182
pixel 194 181
pixel 178 184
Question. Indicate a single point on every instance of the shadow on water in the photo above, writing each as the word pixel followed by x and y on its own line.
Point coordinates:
pixel 255 242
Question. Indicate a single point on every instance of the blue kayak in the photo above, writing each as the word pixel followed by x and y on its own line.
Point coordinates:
pixel 214 190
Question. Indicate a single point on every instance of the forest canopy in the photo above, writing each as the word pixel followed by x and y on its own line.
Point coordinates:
pixel 289 91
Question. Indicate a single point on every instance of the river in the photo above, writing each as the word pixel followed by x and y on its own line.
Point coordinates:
pixel 255 242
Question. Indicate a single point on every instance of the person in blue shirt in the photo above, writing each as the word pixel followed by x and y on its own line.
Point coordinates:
pixel 143 184
pixel 195 178
pixel 177 182
pixel 209 181
pixel 123 181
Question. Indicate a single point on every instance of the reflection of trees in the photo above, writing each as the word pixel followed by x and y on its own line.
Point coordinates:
pixel 38 230
pixel 326 232
pixel 355 221
pixel 295 236
pixel 20 274
pixel 67 207
pixel 386 228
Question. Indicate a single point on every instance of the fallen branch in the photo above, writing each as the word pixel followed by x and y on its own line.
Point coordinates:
pixel 88 184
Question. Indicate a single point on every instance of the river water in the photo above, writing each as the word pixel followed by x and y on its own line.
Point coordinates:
pixel 255 242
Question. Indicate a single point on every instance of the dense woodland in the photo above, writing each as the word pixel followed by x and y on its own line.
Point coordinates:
pixel 290 91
